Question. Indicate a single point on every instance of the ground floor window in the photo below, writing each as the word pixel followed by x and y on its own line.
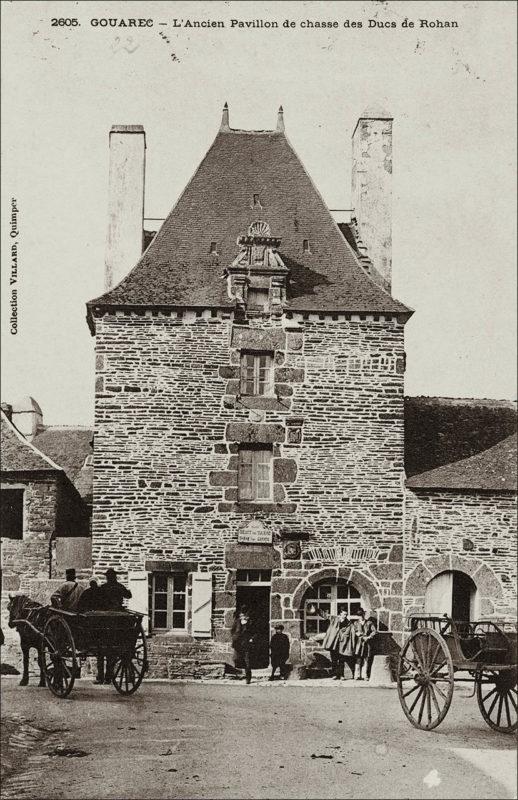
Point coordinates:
pixel 11 513
pixel 330 598
pixel 167 601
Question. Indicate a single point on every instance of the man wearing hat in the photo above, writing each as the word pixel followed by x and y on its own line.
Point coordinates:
pixel 113 592
pixel 110 596
pixel 279 652
pixel 68 594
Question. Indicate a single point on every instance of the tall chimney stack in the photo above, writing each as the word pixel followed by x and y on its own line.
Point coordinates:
pixel 372 188
pixel 124 242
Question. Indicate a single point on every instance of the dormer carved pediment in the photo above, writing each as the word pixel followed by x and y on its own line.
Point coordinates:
pixel 258 268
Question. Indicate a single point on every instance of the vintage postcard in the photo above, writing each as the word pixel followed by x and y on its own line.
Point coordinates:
pixel 258 419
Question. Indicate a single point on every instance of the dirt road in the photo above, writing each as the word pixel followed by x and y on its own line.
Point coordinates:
pixel 210 740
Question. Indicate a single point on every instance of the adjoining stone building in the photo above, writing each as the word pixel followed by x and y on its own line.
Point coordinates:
pixel 249 416
pixel 44 519
pixel 39 506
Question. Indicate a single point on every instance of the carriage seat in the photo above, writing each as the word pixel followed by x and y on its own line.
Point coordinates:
pixel 490 647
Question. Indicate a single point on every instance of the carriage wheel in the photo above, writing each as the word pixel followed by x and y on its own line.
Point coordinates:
pixel 497 699
pixel 425 679
pixel 130 667
pixel 59 657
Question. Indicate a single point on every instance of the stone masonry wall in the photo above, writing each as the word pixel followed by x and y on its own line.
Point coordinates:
pixel 29 557
pixel 473 532
pixel 169 420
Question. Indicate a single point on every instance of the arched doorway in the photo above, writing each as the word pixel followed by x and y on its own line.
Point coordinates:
pixel 453 593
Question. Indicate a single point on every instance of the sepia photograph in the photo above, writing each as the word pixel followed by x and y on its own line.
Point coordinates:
pixel 258 403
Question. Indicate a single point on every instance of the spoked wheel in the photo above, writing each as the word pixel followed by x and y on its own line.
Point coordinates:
pixel 425 679
pixel 497 699
pixel 59 657
pixel 130 667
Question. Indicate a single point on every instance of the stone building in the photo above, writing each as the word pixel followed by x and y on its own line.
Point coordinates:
pixel 250 410
pixel 40 507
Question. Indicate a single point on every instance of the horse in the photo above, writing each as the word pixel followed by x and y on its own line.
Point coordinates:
pixel 21 607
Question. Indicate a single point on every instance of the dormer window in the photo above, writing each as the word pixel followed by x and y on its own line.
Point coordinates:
pixel 305 246
pixel 258 299
pixel 213 249
pixel 257 201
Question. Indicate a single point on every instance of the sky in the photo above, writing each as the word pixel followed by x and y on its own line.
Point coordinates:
pixel 451 92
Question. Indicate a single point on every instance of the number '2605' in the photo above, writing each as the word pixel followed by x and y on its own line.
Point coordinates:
pixel 61 22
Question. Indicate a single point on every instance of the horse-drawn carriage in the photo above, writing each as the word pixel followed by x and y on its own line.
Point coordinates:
pixel 441 652
pixel 65 639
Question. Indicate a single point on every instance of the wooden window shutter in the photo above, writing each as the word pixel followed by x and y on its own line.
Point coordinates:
pixel 138 585
pixel 201 604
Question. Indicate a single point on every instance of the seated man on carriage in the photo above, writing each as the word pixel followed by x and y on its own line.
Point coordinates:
pixel 68 594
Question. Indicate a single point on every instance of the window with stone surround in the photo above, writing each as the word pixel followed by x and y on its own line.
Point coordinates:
pixel 329 599
pixel 167 601
pixel 255 474
pixel 256 373
pixel 11 513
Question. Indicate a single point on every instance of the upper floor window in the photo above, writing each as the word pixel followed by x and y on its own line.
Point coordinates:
pixel 11 513
pixel 168 601
pixel 256 373
pixel 255 474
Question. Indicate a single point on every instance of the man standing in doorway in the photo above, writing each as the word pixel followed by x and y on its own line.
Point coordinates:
pixel 243 635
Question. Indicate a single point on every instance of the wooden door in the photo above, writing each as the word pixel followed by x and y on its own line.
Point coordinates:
pixel 439 595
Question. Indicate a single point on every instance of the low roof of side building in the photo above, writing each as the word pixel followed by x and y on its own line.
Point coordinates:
pixel 19 455
pixel 493 469
pixel 72 448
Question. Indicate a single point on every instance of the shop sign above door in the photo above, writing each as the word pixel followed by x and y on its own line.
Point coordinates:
pixel 255 533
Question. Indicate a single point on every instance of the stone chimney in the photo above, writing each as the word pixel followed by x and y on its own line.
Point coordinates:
pixel 372 189
pixel 125 239
pixel 27 416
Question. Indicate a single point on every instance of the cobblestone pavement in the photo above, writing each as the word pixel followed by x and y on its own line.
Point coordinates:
pixel 228 740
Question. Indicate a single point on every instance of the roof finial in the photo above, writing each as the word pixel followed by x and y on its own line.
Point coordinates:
pixel 280 119
pixel 225 125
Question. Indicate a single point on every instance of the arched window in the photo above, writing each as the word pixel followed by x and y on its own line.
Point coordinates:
pixel 330 598
pixel 453 593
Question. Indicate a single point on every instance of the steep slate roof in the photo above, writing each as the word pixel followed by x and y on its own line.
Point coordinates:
pixel 19 455
pixel 492 470
pixel 67 446
pixel 177 268
pixel 442 430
